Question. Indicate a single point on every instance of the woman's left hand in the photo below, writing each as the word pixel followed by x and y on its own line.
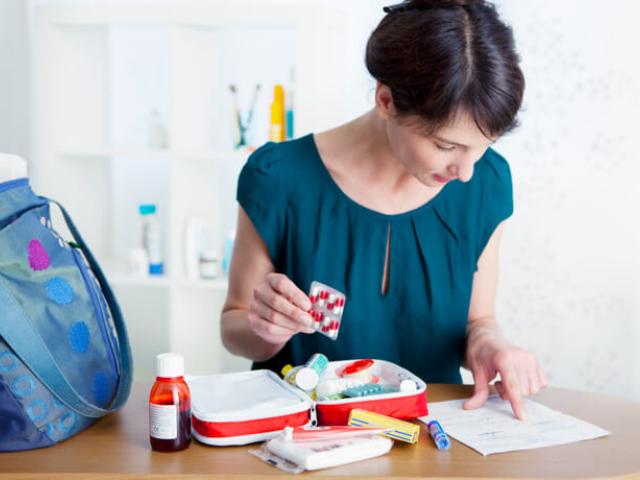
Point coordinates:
pixel 521 375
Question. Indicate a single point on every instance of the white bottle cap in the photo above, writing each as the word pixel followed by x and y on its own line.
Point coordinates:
pixel 408 385
pixel 169 365
pixel 307 378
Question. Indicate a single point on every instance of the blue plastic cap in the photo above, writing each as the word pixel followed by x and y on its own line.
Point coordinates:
pixel 156 269
pixel 147 209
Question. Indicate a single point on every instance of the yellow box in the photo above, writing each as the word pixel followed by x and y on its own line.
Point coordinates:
pixel 403 431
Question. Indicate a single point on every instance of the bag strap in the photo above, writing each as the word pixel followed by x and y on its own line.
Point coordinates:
pixel 18 330
pixel 126 360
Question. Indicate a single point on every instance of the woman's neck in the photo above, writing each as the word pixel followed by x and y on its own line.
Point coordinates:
pixel 370 152
pixel 360 160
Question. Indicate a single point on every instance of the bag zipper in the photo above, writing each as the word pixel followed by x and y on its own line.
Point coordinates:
pixel 313 415
pixel 18 182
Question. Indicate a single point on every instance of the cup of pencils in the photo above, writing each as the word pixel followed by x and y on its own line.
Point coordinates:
pixel 242 126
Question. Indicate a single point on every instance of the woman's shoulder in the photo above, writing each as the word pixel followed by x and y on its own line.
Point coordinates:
pixel 491 179
pixel 492 168
pixel 471 208
pixel 277 169
pixel 278 158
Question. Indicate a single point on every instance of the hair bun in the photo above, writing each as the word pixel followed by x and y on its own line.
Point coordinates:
pixel 447 3
pixel 428 4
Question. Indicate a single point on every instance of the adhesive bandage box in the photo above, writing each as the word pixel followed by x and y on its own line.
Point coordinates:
pixel 400 430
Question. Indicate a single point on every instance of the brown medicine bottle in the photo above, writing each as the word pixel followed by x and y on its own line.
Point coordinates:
pixel 169 406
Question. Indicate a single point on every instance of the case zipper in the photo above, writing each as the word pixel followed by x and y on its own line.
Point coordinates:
pixel 313 415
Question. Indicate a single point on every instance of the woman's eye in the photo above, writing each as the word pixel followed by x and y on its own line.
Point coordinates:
pixel 445 149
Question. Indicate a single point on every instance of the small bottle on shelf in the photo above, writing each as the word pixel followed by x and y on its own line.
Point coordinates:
pixel 277 126
pixel 209 264
pixel 289 108
pixel 228 252
pixel 152 238
pixel 157 137
pixel 169 406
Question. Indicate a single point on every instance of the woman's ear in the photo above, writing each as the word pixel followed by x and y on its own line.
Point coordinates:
pixel 384 101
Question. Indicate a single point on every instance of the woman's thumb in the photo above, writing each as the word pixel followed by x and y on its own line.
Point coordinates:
pixel 480 391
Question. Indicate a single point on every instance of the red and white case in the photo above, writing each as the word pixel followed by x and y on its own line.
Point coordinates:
pixel 245 407
pixel 248 407
pixel 403 405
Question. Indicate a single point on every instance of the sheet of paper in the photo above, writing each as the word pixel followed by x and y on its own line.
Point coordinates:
pixel 494 429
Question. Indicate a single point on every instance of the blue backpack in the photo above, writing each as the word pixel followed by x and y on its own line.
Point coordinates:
pixel 65 358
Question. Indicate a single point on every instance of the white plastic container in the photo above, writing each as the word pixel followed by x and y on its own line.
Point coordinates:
pixel 209 265
pixel 194 235
pixel 152 238
pixel 245 407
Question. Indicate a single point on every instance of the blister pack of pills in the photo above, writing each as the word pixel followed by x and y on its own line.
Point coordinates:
pixel 327 306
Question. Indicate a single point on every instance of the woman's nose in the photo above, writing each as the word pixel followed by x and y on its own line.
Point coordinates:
pixel 463 168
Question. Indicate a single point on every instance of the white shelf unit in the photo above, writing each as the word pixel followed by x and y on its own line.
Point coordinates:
pixel 98 73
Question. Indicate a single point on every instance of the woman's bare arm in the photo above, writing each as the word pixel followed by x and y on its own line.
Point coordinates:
pixel 263 309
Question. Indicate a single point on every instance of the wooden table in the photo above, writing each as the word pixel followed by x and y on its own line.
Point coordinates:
pixel 118 446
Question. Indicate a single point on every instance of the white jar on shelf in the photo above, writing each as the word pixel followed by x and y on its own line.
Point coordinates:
pixel 209 265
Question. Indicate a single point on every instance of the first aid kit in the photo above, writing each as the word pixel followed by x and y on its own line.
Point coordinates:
pixel 247 407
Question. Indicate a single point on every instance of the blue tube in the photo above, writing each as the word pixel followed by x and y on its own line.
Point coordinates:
pixel 439 436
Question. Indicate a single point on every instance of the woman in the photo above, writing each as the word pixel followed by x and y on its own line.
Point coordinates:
pixel 401 209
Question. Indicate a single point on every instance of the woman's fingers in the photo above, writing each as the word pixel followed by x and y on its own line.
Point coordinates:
pixel 533 372
pixel 520 377
pixel 268 331
pixel 513 394
pixel 284 286
pixel 480 390
pixel 270 315
pixel 279 310
pixel 524 381
pixel 279 303
pixel 500 389
pixel 542 378
pixel 510 375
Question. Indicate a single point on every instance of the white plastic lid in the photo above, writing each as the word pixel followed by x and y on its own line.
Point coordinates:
pixel 169 365
pixel 407 385
pixel 307 378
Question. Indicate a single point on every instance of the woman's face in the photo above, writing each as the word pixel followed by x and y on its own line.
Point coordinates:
pixel 436 158
pixel 449 153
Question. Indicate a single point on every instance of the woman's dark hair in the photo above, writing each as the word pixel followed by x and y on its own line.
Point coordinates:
pixel 441 58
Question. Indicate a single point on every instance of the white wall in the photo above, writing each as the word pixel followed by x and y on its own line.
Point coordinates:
pixel 570 262
pixel 14 78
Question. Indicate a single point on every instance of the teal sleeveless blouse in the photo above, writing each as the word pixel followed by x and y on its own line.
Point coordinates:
pixel 314 231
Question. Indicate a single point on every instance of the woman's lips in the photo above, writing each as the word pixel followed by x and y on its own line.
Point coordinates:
pixel 441 179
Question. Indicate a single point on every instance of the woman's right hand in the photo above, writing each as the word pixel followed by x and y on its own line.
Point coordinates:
pixel 279 310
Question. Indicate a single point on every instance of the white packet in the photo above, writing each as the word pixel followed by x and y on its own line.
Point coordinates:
pixel 296 457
